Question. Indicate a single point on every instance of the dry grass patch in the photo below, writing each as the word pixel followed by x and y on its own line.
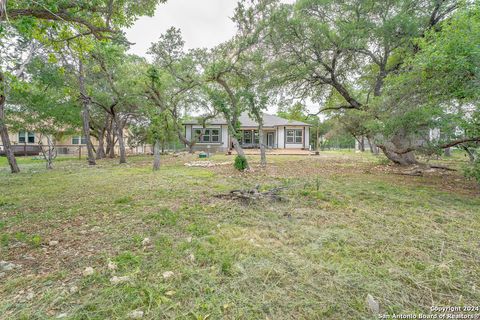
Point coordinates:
pixel 351 228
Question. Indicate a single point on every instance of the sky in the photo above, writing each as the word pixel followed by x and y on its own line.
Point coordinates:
pixel 204 24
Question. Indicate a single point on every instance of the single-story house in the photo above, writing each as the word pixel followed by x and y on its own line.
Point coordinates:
pixel 278 133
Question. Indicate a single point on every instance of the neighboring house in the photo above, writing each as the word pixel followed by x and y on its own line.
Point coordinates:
pixel 27 143
pixel 278 133
pixel 24 143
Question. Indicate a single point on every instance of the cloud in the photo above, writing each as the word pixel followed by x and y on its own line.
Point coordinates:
pixel 204 23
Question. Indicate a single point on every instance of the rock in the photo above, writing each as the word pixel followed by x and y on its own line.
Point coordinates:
pixel 137 314
pixel 62 315
pixel 189 239
pixel 191 257
pixel 30 295
pixel 169 293
pixel 206 164
pixel 88 271
pixel 167 274
pixel 73 289
pixel 112 265
pixel 146 242
pixel 53 243
pixel 7 266
pixel 2 274
pixel 373 305
pixel 118 280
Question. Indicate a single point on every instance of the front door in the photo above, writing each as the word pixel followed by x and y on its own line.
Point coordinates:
pixel 270 139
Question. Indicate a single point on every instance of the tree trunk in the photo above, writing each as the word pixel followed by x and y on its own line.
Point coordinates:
pixel 470 153
pixel 156 153
pixel 101 147
pixel 49 151
pixel 404 159
pixel 85 114
pixel 372 145
pixel 110 137
pixel 111 145
pixel 263 156
pixel 121 140
pixel 447 152
pixel 189 143
pixel 7 146
pixel 239 150
pixel 393 149
pixel 361 143
pixel 317 144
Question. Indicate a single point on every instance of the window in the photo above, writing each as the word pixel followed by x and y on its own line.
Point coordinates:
pixel 79 140
pixel 24 137
pixel 215 135
pixel 294 136
pixel 247 137
pixel 209 135
pixel 257 137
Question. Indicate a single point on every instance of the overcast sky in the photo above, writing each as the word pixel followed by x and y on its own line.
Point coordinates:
pixel 204 23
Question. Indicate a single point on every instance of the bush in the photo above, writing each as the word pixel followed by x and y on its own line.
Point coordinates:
pixel 240 163
pixel 473 171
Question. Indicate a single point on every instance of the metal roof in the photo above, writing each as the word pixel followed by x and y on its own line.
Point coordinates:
pixel 269 120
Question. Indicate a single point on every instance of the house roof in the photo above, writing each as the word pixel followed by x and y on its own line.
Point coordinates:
pixel 269 120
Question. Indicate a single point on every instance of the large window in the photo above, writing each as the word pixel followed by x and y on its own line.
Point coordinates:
pixel 24 137
pixel 247 136
pixel 257 137
pixel 209 135
pixel 295 136
pixel 250 136
pixel 79 140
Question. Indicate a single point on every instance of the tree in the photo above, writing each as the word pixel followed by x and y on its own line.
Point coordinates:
pixel 297 111
pixel 59 21
pixel 234 72
pixel 117 87
pixel 256 102
pixel 350 47
pixel 160 133
pixel 174 82
pixel 41 102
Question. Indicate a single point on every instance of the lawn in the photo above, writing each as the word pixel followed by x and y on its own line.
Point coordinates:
pixel 163 244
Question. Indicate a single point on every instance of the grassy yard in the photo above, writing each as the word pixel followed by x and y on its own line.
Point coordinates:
pixel 352 227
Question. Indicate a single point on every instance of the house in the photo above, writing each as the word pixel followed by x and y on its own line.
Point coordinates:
pixel 278 133
pixel 26 143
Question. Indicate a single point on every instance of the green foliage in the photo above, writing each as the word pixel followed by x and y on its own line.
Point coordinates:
pixel 472 171
pixel 123 200
pixel 240 163
pixel 389 70
pixel 44 102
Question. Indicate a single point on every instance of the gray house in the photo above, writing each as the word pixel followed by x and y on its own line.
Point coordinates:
pixel 278 133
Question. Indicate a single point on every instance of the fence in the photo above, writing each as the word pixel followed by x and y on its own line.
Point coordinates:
pixel 27 150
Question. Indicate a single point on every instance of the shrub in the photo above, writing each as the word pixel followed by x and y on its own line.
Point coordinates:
pixel 473 171
pixel 240 163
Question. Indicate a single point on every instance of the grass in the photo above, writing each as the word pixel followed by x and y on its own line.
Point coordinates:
pixel 352 227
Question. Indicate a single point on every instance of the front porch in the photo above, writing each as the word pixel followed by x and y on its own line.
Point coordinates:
pixel 250 138
pixel 279 137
